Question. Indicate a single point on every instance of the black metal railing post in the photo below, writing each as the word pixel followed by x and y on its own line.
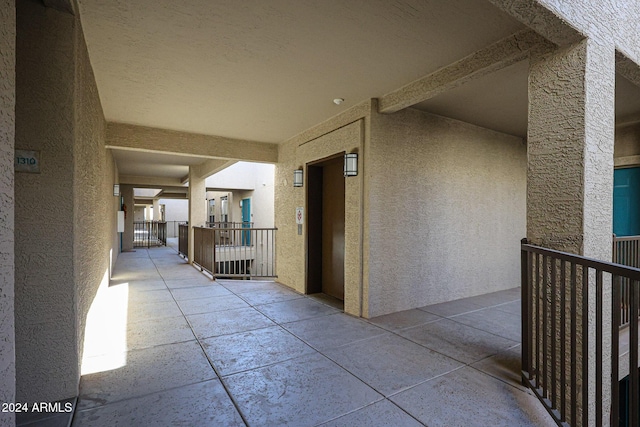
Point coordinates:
pixel 557 307
pixel 524 306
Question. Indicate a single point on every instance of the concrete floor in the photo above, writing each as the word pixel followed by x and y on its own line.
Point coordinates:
pixel 235 353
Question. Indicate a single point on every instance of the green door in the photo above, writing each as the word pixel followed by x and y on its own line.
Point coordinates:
pixel 246 221
pixel 626 202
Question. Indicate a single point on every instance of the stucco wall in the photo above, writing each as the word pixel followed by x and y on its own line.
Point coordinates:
pixel 615 21
pixel 7 141
pixel 291 248
pixel 446 210
pixel 567 21
pixel 175 209
pixel 626 150
pixel 65 215
pixel 94 204
pixel 45 292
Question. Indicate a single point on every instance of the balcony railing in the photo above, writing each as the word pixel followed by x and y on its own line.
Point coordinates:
pixel 626 251
pixel 183 239
pixel 233 252
pixel 564 313
pixel 229 224
pixel 149 233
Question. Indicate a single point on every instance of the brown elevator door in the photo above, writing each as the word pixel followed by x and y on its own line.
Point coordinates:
pixel 333 228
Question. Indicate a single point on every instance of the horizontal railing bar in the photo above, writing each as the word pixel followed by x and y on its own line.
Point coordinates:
pixel 236 229
pixel 625 238
pixel 607 267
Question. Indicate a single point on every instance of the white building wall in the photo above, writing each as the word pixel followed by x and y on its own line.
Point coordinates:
pixel 175 209
pixel 245 180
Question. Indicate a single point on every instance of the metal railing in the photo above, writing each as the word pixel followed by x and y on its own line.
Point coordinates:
pixel 229 224
pixel 235 252
pixel 149 233
pixel 626 251
pixel 183 240
pixel 559 290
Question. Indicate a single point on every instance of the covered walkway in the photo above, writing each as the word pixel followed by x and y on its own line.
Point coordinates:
pixel 191 351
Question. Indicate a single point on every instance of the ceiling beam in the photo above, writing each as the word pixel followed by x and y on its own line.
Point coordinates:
pixel 149 181
pixel 67 6
pixel 171 195
pixel 499 55
pixel 141 138
pixel 208 168
pixel 627 68
pixel 535 15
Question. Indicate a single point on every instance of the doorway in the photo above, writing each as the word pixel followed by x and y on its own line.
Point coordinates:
pixel 246 221
pixel 325 229
pixel 626 201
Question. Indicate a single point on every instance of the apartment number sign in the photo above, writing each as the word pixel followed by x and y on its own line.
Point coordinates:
pixel 27 161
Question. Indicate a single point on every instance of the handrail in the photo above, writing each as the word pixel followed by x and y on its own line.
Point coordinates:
pixel 609 267
pixel 560 291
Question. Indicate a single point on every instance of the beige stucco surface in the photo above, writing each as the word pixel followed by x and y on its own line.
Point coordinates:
pixel 126 191
pixel 432 194
pixel 291 249
pixel 45 291
pixel 197 206
pixel 95 206
pixel 571 139
pixel 446 210
pixel 65 215
pixel 570 174
pixel 7 141
pixel 627 145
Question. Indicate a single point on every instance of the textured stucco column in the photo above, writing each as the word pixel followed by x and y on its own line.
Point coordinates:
pixel 7 201
pixel 156 210
pixel 570 149
pixel 197 206
pixel 127 237
pixel 570 163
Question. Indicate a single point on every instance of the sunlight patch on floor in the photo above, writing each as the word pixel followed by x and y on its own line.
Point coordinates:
pixel 105 343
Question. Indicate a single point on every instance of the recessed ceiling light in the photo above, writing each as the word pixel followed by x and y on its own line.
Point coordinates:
pixel 338 101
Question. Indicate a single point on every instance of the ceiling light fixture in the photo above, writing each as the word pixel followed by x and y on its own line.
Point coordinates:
pixel 338 101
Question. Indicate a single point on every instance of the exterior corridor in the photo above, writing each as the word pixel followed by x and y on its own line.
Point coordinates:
pixel 233 353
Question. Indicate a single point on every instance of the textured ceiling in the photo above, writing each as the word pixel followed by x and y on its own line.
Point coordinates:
pixel 139 163
pixel 267 70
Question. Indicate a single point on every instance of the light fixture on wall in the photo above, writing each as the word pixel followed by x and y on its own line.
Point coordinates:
pixel 351 164
pixel 116 189
pixel 298 179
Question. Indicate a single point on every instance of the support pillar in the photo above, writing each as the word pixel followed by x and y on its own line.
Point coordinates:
pixel 570 166
pixel 156 210
pixel 127 237
pixel 570 149
pixel 197 206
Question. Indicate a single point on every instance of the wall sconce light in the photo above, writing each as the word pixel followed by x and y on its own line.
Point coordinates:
pixel 351 164
pixel 298 179
pixel 116 189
